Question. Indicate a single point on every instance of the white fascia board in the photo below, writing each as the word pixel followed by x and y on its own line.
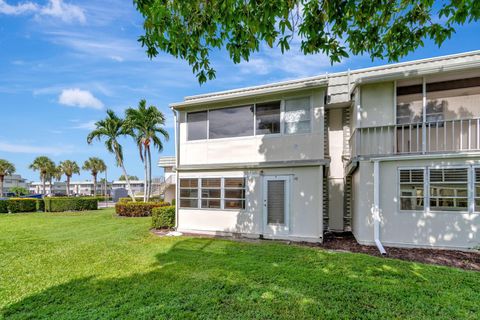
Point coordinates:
pixel 253 92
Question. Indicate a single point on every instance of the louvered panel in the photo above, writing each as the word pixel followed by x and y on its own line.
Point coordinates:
pixel 477 175
pixel 326 202
pixel 347 205
pixel 449 175
pixel 276 202
pixel 326 141
pixel 346 131
pixel 411 176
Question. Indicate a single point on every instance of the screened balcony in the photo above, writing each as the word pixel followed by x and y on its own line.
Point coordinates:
pixel 442 136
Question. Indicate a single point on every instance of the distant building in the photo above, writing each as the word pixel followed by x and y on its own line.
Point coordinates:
pixel 80 188
pixel 168 187
pixel 138 186
pixel 14 180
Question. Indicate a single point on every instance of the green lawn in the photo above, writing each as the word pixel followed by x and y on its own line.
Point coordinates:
pixel 95 266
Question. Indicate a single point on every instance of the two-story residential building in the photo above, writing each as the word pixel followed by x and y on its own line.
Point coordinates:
pixel 391 153
pixel 12 181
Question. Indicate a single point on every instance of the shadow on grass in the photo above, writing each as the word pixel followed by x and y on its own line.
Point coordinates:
pixel 205 278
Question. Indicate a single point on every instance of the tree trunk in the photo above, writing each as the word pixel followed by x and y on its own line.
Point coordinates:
pixel 94 184
pixel 43 184
pixel 68 186
pixel 145 180
pixel 1 185
pixel 149 172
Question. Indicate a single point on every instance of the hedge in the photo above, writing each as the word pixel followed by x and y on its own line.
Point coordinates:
pixel 3 206
pixel 40 205
pixel 124 200
pixel 163 217
pixel 138 209
pixel 14 205
pixel 60 204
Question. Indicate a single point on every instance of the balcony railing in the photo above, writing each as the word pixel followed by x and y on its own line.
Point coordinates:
pixel 443 136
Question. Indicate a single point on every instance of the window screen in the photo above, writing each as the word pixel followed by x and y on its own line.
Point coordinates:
pixel 477 189
pixel 276 202
pixel 234 193
pixel 268 117
pixel 412 193
pixel 211 192
pixel 231 122
pixel 197 125
pixel 449 189
pixel 297 115
pixel 188 193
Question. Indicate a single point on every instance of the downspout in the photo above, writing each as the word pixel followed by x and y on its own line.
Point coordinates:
pixel 376 207
pixel 177 186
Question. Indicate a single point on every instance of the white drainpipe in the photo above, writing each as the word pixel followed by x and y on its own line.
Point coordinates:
pixel 376 207
pixel 176 132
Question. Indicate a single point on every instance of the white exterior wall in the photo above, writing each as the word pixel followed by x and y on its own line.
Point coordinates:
pixel 260 148
pixel 305 221
pixel 376 106
pixel 409 228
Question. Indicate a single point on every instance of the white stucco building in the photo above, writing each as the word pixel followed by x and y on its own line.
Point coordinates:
pixel 391 153
pixel 14 180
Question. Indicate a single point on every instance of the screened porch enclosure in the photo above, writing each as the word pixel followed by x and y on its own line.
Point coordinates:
pixel 437 117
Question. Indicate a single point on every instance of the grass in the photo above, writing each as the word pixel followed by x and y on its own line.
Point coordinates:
pixel 94 266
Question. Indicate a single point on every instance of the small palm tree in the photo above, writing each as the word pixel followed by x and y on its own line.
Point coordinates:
pixel 6 169
pixel 110 129
pixel 45 166
pixel 69 168
pixel 147 123
pixel 95 166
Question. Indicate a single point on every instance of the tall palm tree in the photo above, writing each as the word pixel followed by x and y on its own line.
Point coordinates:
pixel 95 166
pixel 45 166
pixel 147 123
pixel 110 129
pixel 69 168
pixel 6 169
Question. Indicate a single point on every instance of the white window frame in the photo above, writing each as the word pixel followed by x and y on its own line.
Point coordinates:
pixel 254 104
pixel 222 193
pixel 469 198
pixel 425 186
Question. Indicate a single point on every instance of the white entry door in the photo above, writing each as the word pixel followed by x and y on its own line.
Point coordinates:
pixel 276 205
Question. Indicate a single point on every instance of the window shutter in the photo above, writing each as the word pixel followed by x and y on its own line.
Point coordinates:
pixel 276 202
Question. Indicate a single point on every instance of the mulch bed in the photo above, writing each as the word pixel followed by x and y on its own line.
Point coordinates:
pixel 345 241
pixel 451 258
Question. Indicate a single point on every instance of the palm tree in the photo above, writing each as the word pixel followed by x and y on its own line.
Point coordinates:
pixel 112 128
pixel 69 168
pixel 6 169
pixel 95 166
pixel 45 166
pixel 147 123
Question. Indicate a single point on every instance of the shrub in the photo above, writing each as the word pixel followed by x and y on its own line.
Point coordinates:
pixel 138 209
pixel 163 217
pixel 60 204
pixel 15 205
pixel 174 202
pixel 3 206
pixel 40 205
pixel 124 200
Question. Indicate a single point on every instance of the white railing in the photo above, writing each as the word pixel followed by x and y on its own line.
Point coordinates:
pixel 443 136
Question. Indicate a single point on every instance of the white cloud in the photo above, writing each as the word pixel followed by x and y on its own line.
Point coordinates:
pixel 20 8
pixel 89 125
pixel 79 98
pixel 54 8
pixel 33 149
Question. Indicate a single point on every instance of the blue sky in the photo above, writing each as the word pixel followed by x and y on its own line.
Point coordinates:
pixel 62 63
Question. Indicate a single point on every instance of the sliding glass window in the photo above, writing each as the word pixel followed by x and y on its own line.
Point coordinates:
pixel 197 125
pixel 268 117
pixel 234 193
pixel 297 115
pixel 449 189
pixel 231 122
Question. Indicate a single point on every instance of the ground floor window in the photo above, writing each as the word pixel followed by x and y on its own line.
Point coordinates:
pixel 449 189
pixel 445 189
pixel 412 189
pixel 212 193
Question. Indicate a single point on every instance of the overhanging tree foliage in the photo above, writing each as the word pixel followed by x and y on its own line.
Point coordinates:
pixel 383 29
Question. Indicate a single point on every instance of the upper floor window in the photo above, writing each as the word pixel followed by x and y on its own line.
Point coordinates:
pixel 231 122
pixel 297 115
pixel 259 119
pixel 445 100
pixel 268 117
pixel 197 125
